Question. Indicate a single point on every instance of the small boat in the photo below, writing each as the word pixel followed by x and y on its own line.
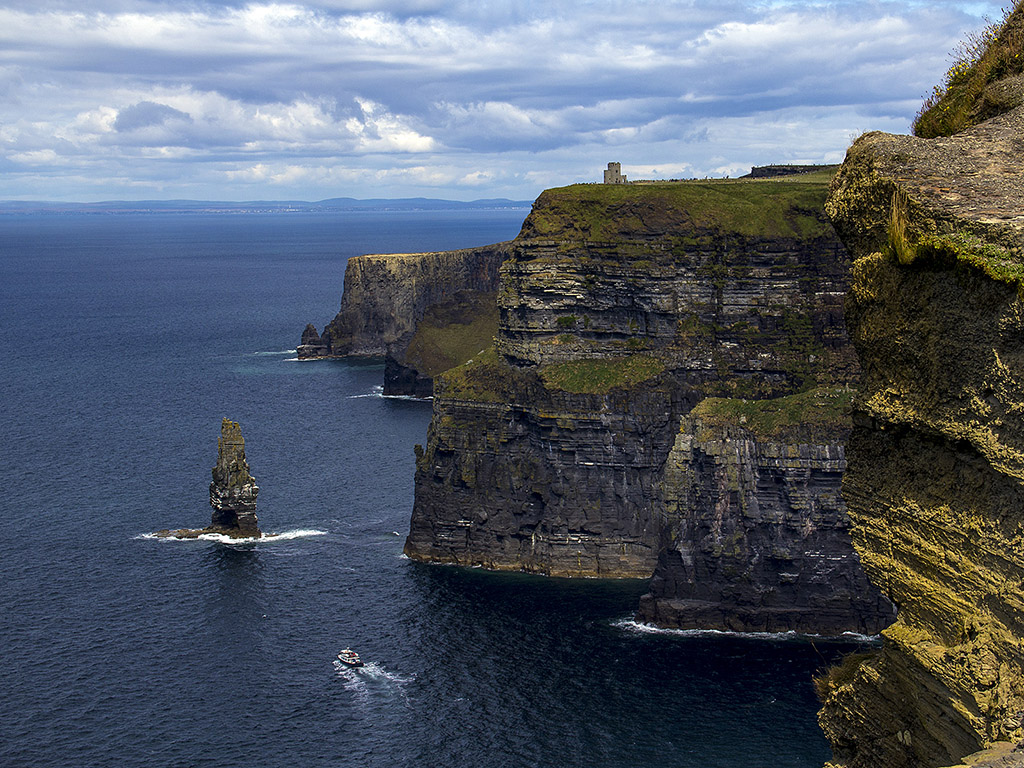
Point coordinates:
pixel 350 658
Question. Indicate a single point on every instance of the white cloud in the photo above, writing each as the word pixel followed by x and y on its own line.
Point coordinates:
pixel 447 96
pixel 36 157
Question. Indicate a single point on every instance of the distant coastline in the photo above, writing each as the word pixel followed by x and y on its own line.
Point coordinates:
pixel 260 206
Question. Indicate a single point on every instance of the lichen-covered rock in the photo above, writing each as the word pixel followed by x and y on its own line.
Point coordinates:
pixel 760 539
pixel 935 479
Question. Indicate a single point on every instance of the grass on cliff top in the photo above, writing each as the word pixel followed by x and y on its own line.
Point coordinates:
pixel 601 375
pixel 449 335
pixel 485 378
pixel 992 54
pixel 825 411
pixel 783 207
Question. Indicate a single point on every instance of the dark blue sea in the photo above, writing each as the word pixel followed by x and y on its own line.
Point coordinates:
pixel 125 340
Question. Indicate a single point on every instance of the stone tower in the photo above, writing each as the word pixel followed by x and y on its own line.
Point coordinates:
pixel 614 174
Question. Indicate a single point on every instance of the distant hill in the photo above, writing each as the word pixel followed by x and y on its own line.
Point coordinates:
pixel 259 206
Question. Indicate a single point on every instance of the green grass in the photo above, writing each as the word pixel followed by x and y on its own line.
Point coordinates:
pixel 450 334
pixel 997 262
pixel 485 378
pixel 601 375
pixel 983 58
pixel 825 411
pixel 784 207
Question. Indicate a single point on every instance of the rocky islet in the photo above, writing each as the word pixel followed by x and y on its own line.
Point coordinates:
pixel 233 492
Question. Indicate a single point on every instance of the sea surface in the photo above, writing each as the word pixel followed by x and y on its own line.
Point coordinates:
pixel 125 340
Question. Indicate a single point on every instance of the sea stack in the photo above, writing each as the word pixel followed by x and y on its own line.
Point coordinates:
pixel 233 490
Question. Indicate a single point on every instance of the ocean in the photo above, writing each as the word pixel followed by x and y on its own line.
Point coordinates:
pixel 126 338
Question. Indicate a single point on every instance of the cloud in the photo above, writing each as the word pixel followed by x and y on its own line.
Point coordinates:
pixel 146 114
pixel 446 97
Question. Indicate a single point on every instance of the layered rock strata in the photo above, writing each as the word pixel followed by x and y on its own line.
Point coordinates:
pixel 621 309
pixel 392 301
pixel 233 491
pixel 760 539
pixel 935 482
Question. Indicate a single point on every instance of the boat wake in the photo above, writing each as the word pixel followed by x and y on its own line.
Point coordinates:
pixel 636 627
pixel 372 679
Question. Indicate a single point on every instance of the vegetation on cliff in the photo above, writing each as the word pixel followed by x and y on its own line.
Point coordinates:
pixel 450 333
pixel 985 80
pixel 936 457
pixel 768 208
pixel 622 307
pixel 824 411
pixel 601 375
pixel 485 378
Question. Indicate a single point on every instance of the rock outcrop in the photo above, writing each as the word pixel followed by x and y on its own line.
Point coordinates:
pixel 760 534
pixel 935 480
pixel 422 312
pixel 563 450
pixel 233 491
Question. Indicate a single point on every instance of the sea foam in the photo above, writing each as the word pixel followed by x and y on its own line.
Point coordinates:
pixel 267 538
pixel 637 627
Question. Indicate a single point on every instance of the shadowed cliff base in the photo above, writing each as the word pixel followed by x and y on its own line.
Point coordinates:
pixel 761 539
pixel 935 484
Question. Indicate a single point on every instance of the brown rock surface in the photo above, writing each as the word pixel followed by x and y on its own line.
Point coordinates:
pixel 935 479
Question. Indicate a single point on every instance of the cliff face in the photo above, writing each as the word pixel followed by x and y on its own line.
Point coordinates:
pixel 518 475
pixel 736 287
pixel 935 483
pixel 393 300
pixel 561 450
pixel 760 532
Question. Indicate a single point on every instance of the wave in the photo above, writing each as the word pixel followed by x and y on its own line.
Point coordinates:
pixel 378 391
pixel 629 625
pixel 279 352
pixel 267 538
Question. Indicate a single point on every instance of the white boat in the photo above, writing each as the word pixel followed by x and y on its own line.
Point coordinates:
pixel 350 658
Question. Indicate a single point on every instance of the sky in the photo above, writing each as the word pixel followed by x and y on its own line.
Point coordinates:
pixel 456 99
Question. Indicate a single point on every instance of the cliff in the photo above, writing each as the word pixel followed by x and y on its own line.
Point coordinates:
pixel 935 479
pixel 425 312
pixel 760 534
pixel 561 450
